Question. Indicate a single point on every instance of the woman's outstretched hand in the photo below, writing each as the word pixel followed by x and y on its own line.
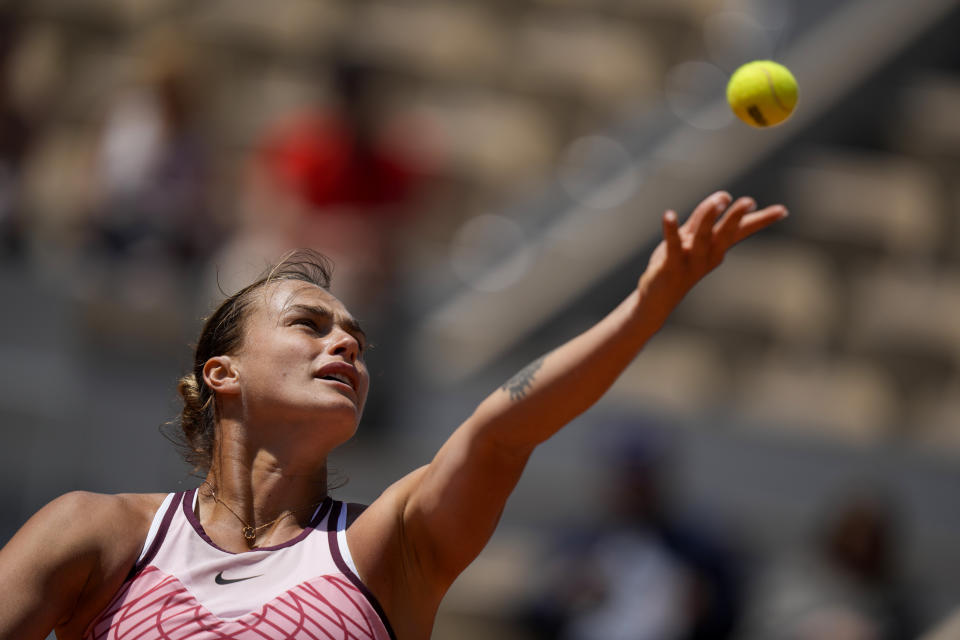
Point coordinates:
pixel 690 251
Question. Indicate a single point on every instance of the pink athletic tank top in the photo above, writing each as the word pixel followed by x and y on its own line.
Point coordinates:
pixel 185 587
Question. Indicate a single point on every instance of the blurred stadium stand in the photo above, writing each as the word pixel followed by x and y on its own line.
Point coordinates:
pixel 822 353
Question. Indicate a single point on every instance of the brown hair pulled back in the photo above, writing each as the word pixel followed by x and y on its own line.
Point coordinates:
pixel 223 334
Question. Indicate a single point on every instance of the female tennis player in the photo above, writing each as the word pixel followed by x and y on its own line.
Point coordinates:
pixel 260 550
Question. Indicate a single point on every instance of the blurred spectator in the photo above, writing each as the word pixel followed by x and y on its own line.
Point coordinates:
pixel 348 171
pixel 152 211
pixel 15 136
pixel 644 574
pixel 847 589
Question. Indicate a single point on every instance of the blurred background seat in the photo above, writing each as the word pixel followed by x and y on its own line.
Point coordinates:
pixel 890 202
pixel 844 399
pixel 782 291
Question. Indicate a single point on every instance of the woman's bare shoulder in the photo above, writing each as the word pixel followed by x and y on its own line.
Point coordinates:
pixel 137 505
pixel 111 525
pixel 70 557
pixel 110 509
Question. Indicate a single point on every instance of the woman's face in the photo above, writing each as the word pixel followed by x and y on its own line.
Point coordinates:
pixel 301 360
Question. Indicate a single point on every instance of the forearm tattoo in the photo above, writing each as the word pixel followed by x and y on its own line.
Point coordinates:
pixel 522 381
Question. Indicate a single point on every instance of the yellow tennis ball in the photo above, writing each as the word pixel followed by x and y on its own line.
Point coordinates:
pixel 762 93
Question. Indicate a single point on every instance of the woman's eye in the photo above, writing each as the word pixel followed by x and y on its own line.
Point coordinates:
pixel 306 322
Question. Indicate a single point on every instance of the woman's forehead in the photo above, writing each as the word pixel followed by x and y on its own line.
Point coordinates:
pixel 280 296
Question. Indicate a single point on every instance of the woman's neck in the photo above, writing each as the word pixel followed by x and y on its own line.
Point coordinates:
pixel 253 498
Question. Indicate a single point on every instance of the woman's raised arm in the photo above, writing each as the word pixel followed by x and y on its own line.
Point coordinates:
pixel 451 506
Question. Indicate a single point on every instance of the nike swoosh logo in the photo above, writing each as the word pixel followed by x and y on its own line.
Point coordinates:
pixel 221 580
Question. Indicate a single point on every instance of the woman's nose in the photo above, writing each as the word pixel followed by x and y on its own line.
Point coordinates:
pixel 343 343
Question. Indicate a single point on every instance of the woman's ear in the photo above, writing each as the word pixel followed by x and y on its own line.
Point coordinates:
pixel 220 374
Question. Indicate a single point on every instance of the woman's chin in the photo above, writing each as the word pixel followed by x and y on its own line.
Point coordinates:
pixel 343 417
pixel 338 401
pixel 346 411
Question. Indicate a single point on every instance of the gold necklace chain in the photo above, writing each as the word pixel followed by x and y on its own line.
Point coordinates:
pixel 250 532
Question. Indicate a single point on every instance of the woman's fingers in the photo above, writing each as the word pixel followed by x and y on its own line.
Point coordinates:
pixel 700 224
pixel 753 222
pixel 671 234
pixel 726 230
pixel 715 225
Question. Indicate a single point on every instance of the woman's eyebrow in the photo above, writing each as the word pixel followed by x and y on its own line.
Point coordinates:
pixel 348 323
pixel 311 309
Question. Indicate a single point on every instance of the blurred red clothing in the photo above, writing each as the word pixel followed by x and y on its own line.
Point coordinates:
pixel 325 162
